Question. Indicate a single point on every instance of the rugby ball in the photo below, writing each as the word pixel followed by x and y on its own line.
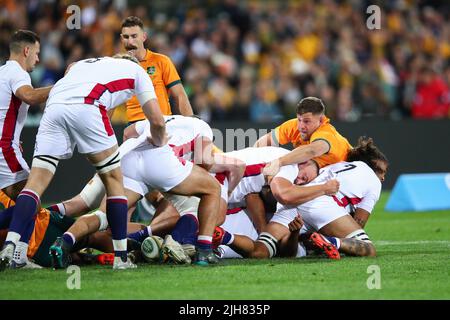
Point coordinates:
pixel 151 248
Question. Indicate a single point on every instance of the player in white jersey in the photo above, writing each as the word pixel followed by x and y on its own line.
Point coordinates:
pixel 246 193
pixel 76 115
pixel 165 169
pixel 359 190
pixel 16 94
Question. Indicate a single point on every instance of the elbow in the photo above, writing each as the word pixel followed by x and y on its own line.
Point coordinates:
pixel 31 99
pixel 282 198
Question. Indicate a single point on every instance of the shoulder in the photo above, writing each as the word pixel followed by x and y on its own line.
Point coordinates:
pixel 161 58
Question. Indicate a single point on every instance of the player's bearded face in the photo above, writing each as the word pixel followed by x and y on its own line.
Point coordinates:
pixel 307 124
pixel 132 38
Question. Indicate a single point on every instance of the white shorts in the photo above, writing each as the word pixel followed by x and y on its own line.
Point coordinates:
pixel 149 167
pixel 183 204
pixel 64 126
pixel 237 223
pixel 316 213
pixel 223 181
pixel 13 167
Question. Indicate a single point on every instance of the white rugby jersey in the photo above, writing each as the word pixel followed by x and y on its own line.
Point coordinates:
pixel 182 132
pixel 359 185
pixel 105 82
pixel 13 111
pixel 253 179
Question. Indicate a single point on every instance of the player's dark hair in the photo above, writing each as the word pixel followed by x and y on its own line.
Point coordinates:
pixel 21 37
pixel 310 104
pixel 366 151
pixel 132 21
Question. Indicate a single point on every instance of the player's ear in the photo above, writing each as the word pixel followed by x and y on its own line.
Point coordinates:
pixel 26 51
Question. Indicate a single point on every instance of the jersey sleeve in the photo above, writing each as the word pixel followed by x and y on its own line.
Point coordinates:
pixel 289 173
pixel 144 88
pixel 370 199
pixel 326 136
pixel 283 134
pixel 21 79
pixel 170 75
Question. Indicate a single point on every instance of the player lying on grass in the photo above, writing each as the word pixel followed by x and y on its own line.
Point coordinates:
pixel 245 199
pixel 246 194
pixel 165 170
pixel 360 187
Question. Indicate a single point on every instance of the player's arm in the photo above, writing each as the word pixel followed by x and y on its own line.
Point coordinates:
pixel 157 124
pixel 180 100
pixel 289 244
pixel 32 96
pixel 361 217
pixel 255 207
pixel 265 141
pixel 203 153
pixel 233 168
pixel 305 152
pixel 288 193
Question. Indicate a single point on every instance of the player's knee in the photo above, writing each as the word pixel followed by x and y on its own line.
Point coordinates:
pixel 265 247
pixel 45 162
pixel 108 164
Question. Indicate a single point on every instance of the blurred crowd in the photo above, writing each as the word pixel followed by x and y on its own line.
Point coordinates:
pixel 254 60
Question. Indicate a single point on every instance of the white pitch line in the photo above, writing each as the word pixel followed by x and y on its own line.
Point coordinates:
pixel 386 243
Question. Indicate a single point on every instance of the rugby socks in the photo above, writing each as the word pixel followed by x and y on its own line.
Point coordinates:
pixel 334 241
pixel 6 217
pixel 141 234
pixel 69 239
pixel 59 207
pixel 186 229
pixel 26 206
pixel 116 213
pixel 228 238
pixel 204 242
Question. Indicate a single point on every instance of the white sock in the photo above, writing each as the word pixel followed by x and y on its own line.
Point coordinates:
pixel 120 245
pixel 12 236
pixel 301 251
pixel 20 253
pixel 62 209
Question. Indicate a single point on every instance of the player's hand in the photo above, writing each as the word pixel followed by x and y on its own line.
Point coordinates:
pixel 331 187
pixel 272 168
pixel 296 224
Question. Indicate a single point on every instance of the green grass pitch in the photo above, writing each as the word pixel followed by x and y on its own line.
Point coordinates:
pixel 413 259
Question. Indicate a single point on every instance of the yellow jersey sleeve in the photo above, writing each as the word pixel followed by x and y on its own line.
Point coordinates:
pixel 339 146
pixel 170 75
pixel 286 133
